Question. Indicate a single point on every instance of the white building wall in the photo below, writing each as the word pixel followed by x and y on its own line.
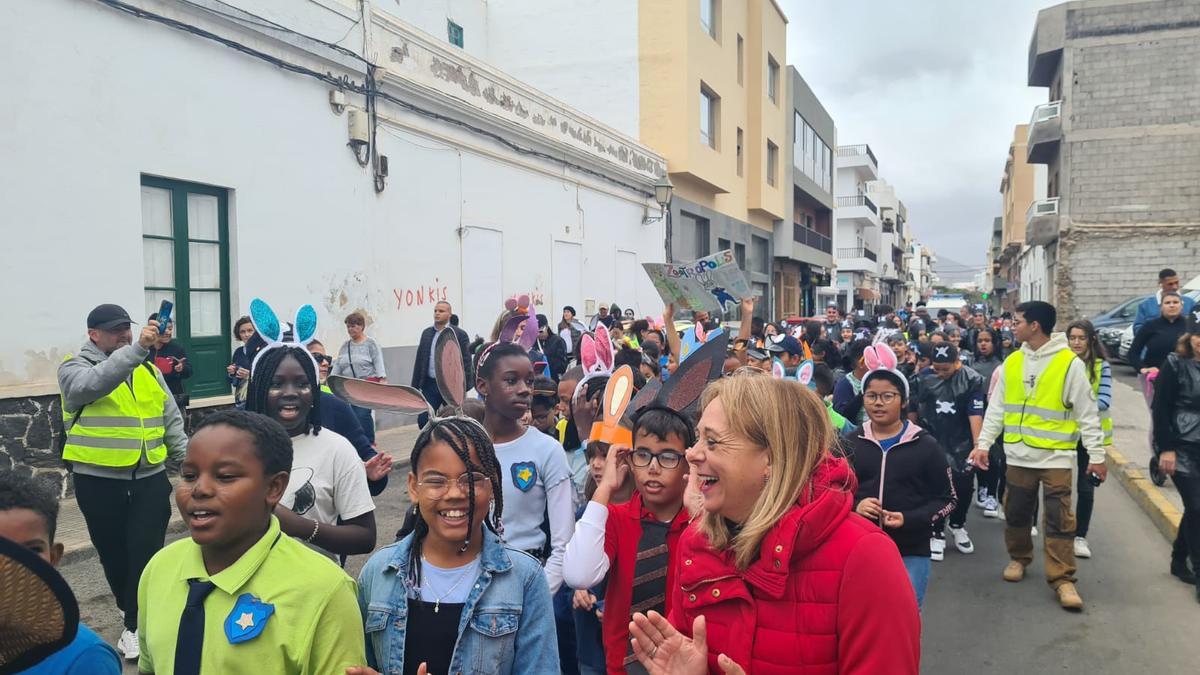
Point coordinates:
pixel 130 97
pixel 1034 284
pixel 431 17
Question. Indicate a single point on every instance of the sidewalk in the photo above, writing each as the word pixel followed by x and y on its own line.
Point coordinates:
pixel 1129 457
pixel 72 531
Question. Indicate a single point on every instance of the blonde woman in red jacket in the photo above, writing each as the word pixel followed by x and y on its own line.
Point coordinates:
pixel 779 576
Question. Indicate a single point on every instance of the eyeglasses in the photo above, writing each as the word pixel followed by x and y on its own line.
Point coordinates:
pixel 436 487
pixel 886 397
pixel 666 460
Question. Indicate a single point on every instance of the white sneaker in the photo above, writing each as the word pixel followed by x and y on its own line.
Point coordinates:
pixel 980 497
pixel 128 645
pixel 991 507
pixel 1081 548
pixel 962 540
pixel 937 549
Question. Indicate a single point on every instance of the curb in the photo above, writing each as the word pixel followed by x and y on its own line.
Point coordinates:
pixel 176 525
pixel 1162 513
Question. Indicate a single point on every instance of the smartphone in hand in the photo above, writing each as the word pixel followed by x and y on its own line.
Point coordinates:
pixel 164 315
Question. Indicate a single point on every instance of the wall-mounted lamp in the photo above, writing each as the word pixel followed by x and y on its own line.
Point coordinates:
pixel 663 190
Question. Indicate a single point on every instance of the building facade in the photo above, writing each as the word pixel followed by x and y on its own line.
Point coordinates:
pixel 921 276
pixel 384 169
pixel 1120 138
pixel 803 262
pixel 859 229
pixel 1021 185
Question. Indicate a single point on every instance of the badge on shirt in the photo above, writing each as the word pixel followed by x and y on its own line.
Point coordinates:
pixel 524 475
pixel 247 619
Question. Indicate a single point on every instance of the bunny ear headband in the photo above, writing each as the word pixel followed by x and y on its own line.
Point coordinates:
pixel 881 359
pixel 271 330
pixel 804 373
pixel 596 356
pixel 681 393
pixel 694 338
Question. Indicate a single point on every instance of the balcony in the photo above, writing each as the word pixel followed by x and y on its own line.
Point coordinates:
pixel 1042 222
pixel 858 208
pixel 860 158
pixel 860 259
pixel 1046 46
pixel 811 238
pixel 1045 133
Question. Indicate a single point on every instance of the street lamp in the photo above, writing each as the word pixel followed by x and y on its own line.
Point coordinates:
pixel 663 189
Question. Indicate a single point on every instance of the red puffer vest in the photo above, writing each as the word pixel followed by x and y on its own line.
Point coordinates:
pixel 828 593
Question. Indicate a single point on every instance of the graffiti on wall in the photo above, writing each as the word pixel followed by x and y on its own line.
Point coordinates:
pixel 421 295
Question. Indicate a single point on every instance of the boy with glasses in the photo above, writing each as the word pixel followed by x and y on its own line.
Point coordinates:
pixel 634 543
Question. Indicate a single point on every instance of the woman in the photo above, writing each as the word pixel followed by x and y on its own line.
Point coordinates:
pixel 1175 413
pixel 361 358
pixel 776 508
pixel 239 368
pixel 989 356
pixel 537 481
pixel 1083 339
pixel 1158 338
pixel 451 596
pixel 327 503
pixel 903 483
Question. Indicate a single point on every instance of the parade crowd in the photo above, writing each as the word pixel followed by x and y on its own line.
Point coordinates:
pixel 600 494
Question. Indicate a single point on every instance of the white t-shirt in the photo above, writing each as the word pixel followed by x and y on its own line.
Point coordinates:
pixel 537 483
pixel 328 479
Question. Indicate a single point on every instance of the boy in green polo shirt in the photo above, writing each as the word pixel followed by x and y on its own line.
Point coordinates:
pixel 237 596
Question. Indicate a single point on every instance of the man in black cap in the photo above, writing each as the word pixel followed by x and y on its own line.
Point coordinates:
pixel 553 347
pixel 950 406
pixel 121 424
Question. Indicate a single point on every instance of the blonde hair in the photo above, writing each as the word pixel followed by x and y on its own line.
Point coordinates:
pixel 791 424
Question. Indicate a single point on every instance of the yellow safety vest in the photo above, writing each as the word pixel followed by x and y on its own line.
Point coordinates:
pixel 113 430
pixel 1041 419
pixel 1106 423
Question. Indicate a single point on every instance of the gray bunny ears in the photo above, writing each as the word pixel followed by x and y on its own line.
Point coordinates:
pixel 448 372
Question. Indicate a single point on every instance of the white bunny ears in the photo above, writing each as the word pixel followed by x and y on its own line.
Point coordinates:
pixel 272 330
pixel 880 358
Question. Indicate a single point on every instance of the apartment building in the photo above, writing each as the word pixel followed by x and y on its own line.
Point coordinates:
pixel 1119 136
pixel 803 261
pixel 893 233
pixel 1021 185
pixel 859 229
pixel 921 276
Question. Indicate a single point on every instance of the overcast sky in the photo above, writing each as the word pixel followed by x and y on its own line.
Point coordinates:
pixel 935 87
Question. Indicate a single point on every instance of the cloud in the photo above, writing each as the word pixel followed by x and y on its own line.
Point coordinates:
pixel 935 87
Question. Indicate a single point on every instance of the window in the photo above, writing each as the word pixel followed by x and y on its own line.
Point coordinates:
pixel 723 245
pixel 739 253
pixel 772 159
pixel 708 117
pixel 772 79
pixel 759 255
pixel 708 16
pixel 454 33
pixel 739 152
pixel 811 155
pixel 741 58
pixel 185 256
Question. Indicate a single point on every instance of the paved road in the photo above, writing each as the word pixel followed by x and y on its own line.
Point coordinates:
pixel 1137 618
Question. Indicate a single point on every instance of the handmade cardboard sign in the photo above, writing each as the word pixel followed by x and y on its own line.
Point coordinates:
pixel 713 283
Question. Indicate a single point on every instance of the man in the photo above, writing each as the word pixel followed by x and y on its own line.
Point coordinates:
pixel 964 317
pixel 789 351
pixel 1168 281
pixel 602 317
pixel 977 325
pixel 121 423
pixel 950 406
pixel 833 322
pixel 423 377
pixel 923 313
pixel 553 347
pixel 1044 406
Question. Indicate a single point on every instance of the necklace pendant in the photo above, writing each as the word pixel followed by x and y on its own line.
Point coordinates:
pixel 436 606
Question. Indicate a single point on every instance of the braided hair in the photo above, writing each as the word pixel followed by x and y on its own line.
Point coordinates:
pixel 461 434
pixel 264 372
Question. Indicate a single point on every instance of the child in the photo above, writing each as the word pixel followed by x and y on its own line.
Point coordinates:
pixel 536 480
pixel 28 517
pixel 543 405
pixel 239 595
pixel 634 543
pixel 452 596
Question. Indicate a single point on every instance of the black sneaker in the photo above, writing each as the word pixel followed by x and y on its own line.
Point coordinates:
pixel 1180 570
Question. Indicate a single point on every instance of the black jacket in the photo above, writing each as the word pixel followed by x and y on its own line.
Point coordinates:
pixel 944 408
pixel 916 482
pixel 1158 337
pixel 165 358
pixel 421 365
pixel 555 350
pixel 1176 412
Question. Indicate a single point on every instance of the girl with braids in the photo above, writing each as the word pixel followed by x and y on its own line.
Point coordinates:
pixel 451 596
pixel 535 479
pixel 327 503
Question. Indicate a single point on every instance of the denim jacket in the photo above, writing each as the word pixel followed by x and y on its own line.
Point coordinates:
pixel 507 624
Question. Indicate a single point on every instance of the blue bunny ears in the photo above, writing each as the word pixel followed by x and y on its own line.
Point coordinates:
pixel 272 330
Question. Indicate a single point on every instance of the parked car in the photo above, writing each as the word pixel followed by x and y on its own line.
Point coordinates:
pixel 1110 337
pixel 1126 342
pixel 1120 314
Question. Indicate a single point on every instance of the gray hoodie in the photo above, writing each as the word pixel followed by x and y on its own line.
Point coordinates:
pixel 1077 396
pixel 81 383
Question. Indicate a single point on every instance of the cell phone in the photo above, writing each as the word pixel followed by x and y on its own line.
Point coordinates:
pixel 1094 479
pixel 164 315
